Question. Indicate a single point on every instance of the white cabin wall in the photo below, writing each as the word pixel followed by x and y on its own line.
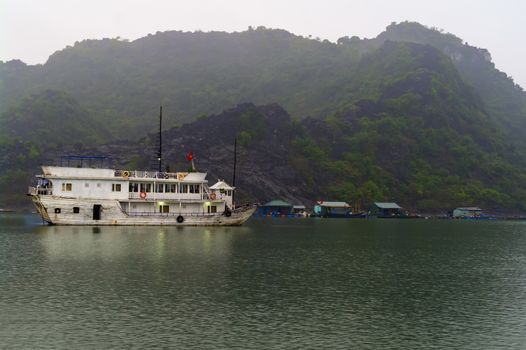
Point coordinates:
pixel 76 172
pixel 174 207
pixel 97 189
pixel 223 196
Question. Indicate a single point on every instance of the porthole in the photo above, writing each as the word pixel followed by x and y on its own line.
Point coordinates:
pixel 57 210
pixel 76 210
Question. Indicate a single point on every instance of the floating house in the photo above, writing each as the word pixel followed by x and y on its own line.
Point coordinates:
pixel 468 212
pixel 275 207
pixel 386 210
pixel 332 209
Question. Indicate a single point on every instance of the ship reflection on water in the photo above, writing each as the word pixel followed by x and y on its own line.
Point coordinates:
pixel 148 243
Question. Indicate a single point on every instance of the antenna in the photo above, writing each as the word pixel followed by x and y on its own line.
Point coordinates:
pixel 159 154
pixel 234 173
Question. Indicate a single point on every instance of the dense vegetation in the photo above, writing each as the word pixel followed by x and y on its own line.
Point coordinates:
pixel 504 100
pixel 191 74
pixel 415 132
pixel 414 115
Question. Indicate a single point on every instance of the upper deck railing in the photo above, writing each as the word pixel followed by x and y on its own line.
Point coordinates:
pixel 40 191
pixel 149 174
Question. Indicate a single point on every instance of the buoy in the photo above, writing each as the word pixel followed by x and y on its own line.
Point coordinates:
pixel 143 195
pixel 125 174
pixel 180 219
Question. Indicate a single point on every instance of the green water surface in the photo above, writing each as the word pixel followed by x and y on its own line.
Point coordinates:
pixel 270 284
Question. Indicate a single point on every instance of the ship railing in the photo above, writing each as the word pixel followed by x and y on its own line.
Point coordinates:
pixel 145 174
pixel 172 196
pixel 40 191
pixel 217 196
pixel 173 214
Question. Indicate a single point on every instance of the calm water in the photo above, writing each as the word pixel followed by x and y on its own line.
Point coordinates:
pixel 272 284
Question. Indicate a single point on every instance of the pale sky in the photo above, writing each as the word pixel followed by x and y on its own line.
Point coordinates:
pixel 31 30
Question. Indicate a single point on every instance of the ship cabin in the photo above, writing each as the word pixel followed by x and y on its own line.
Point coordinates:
pixel 138 192
pixel 222 191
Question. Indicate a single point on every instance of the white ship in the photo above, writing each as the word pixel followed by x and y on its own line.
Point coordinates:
pixel 88 196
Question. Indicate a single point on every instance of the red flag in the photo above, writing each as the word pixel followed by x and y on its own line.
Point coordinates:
pixel 190 156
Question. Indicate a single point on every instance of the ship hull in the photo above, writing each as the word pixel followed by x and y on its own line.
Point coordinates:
pixel 59 211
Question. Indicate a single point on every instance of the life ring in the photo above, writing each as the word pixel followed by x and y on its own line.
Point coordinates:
pixel 143 195
pixel 212 196
pixel 180 219
pixel 181 176
pixel 166 176
pixel 125 174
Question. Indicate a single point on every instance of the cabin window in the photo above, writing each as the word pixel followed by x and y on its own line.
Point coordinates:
pixel 86 185
pixel 134 187
pixel 228 193
pixel 57 210
pixel 66 187
pixel 170 188
pixel 194 188
pixel 183 188
pixel 164 209
pixel 212 209
pixel 145 187
pixel 98 185
pixel 115 187
pixel 159 188
pixel 76 210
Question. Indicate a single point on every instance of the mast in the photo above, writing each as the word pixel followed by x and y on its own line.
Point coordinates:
pixel 159 154
pixel 234 172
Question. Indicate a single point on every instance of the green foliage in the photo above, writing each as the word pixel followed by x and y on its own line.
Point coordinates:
pixel 414 115
pixel 51 118
pixel 414 133
pixel 244 138
pixel 504 100
pixel 121 83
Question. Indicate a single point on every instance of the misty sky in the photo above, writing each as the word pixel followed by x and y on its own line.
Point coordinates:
pixel 31 30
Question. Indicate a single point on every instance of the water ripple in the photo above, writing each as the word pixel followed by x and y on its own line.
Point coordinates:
pixel 289 284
